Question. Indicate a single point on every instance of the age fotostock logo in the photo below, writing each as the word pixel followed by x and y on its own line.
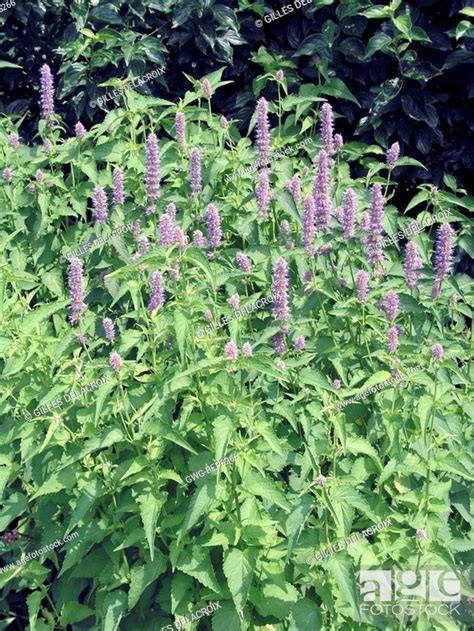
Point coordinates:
pixel 397 593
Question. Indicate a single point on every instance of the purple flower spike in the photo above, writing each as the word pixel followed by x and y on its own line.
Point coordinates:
pixel 207 88
pixel 231 351
pixel 180 130
pixel 47 146
pixel 7 175
pixel 214 231
pixel 321 480
pixel 247 349
pixel 99 202
pixel 412 264
pixel 157 292
pixel 76 290
pixel 421 533
pixel 224 123
pixel 79 130
pixel 167 230
pixel 180 238
pixel 143 245
pixel 437 352
pixel 338 142
pixel 234 302
pixel 296 188
pixel 285 229
pixel 118 193
pixel 309 226
pixel 14 140
pixel 392 339
pixel 393 154
pixel 115 361
pixel 39 175
pixel 109 329
pixel 362 282
pixel 281 308
pixel 279 343
pixel 299 343
pixel 321 192
pixel 374 240
pixel 152 180
pixel 195 172
pixel 336 384
pixel 46 91
pixel 280 75
pixel 444 252
pixel 243 262
pixel 263 131
pixel 348 213
pixel 264 193
pixel 199 240
pixel 327 128
pixel 171 211
pixel 391 305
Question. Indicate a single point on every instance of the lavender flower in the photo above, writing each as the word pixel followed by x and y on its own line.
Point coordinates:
pixel 207 89
pixel 336 384
pixel 437 352
pixel 195 172
pixel 224 123
pixel 199 240
pixel 109 329
pixel 76 290
pixel 214 231
pixel 421 533
pixel 47 146
pixel 171 211
pixel 338 142
pixel 180 238
pixel 279 76
pixel 374 240
pixel 321 480
pixel 247 349
pixel 136 227
pixel 149 210
pixel 14 140
pixel 208 315
pixel 152 180
pixel 46 91
pixel 280 364
pixel 321 193
pixel 327 128
pixel 99 202
pixel 309 227
pixel 234 302
pixel 157 292
pixel 279 343
pixel 362 281
pixel 393 154
pixel 115 361
pixel 118 194
pixel 39 175
pixel 349 213
pixel 31 188
pixel 231 351
pixel 166 230
pixel 412 264
pixel 243 262
pixel 365 222
pixel 392 339
pixel 294 186
pixel 180 130
pixel 79 130
pixel 264 194
pixel 7 175
pixel 263 131
pixel 281 308
pixel 444 252
pixel 143 245
pixel 299 343
pixel 391 305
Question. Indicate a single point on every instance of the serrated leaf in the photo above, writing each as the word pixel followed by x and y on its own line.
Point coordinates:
pixel 150 507
pixel 144 575
pixel 239 566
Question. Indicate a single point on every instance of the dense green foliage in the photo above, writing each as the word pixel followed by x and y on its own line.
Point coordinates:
pixel 113 464
pixel 400 70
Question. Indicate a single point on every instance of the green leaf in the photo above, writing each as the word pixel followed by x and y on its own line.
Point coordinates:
pixel 468 11
pixel 181 327
pixel 305 615
pixel 142 576
pixel 150 507
pixel 198 564
pixel 256 484
pixel 8 64
pixel 74 612
pixel 239 567
pixel 33 602
pixel 199 504
pixel 115 605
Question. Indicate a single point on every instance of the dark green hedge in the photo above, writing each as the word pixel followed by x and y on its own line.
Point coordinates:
pixel 396 71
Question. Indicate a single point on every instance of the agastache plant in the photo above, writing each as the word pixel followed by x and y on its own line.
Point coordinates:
pixel 349 213
pixel 180 125
pixel 263 193
pixel 443 257
pixel 412 263
pixel 118 192
pixel 152 180
pixel 281 285
pixel 157 292
pixel 321 192
pixel 374 239
pixel 46 91
pixel 214 231
pixel 100 205
pixel 327 128
pixel 195 172
pixel 309 226
pixel 76 290
pixel 263 131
